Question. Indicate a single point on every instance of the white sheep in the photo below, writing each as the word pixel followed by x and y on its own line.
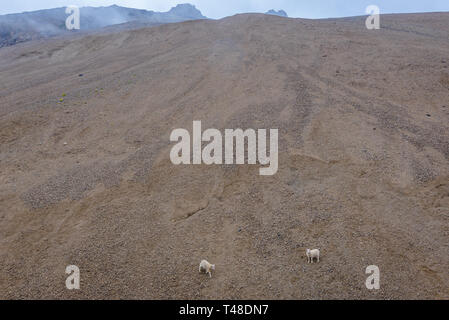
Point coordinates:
pixel 206 267
pixel 311 254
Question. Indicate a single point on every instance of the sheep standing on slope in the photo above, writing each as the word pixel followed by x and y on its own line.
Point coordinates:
pixel 311 254
pixel 206 267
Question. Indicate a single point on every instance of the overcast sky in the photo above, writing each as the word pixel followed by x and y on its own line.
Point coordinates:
pixel 221 8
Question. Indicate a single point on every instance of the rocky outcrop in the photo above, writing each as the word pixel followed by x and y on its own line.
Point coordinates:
pixel 280 13
pixel 21 27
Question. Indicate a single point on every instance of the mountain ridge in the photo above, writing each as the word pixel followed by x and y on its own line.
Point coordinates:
pixel 280 13
pixel 21 27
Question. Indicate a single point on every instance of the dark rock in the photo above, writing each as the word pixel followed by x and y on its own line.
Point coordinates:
pixel 26 26
pixel 280 13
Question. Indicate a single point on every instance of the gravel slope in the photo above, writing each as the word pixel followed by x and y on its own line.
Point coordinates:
pixel 363 120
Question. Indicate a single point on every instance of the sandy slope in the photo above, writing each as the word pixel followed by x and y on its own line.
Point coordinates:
pixel 363 120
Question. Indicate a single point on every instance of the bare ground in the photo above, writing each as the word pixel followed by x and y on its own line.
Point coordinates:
pixel 363 120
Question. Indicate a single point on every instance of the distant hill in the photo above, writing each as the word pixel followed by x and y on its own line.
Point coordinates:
pixel 280 13
pixel 20 27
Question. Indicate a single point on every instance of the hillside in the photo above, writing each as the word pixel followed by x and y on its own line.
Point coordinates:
pixel 363 119
pixel 26 26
